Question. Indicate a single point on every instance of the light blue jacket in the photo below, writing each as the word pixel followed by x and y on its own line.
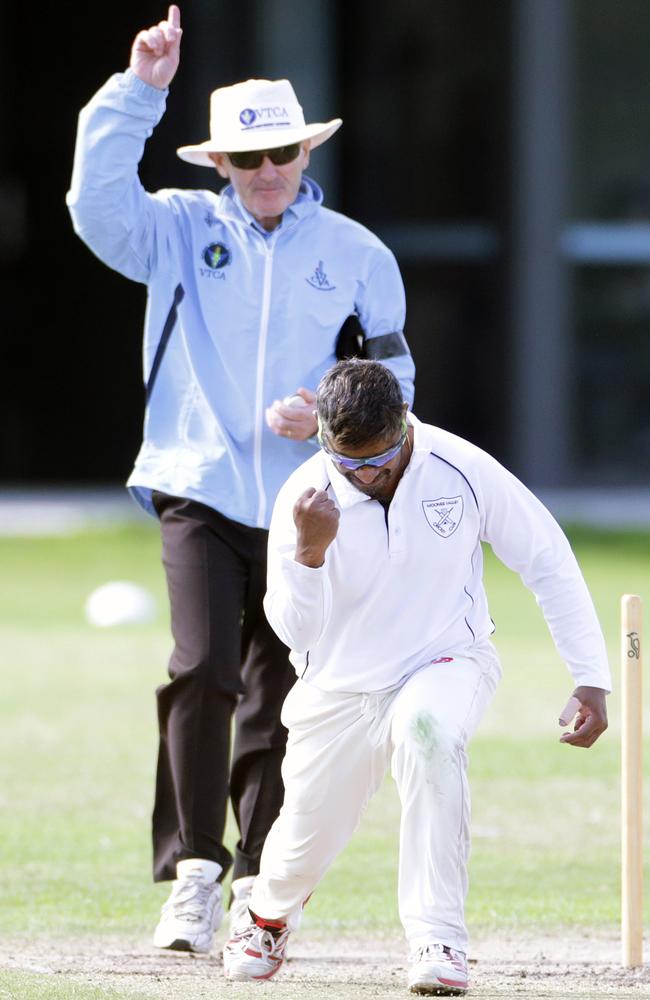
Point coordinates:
pixel 236 317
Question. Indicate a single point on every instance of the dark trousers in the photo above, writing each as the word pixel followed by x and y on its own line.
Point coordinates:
pixel 226 661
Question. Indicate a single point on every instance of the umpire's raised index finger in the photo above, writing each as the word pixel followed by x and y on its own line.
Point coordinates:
pixel 174 16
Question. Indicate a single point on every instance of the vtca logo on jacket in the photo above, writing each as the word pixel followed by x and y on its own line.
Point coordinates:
pixel 216 256
pixel 319 279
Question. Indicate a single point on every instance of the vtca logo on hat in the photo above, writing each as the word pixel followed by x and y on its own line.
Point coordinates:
pixel 216 256
pixel 260 117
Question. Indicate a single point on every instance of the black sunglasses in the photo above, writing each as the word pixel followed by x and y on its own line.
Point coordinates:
pixel 253 159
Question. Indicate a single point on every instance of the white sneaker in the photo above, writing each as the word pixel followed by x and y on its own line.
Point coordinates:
pixel 240 916
pixel 438 970
pixel 193 912
pixel 256 952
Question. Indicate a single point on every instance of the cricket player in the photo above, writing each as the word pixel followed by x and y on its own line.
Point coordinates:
pixel 248 292
pixel 375 582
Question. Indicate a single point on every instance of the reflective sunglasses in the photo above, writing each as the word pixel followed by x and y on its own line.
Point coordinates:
pixel 357 463
pixel 253 158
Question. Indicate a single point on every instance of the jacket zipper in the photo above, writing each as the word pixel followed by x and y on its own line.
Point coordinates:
pixel 259 386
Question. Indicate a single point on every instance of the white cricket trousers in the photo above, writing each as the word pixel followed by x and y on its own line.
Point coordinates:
pixel 339 748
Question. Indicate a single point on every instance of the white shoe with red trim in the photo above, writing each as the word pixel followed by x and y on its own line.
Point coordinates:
pixel 256 951
pixel 438 970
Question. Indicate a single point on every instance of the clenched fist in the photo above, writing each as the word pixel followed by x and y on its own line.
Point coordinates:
pixel 317 519
pixel 156 51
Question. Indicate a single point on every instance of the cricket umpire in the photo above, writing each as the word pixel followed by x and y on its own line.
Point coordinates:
pixel 248 291
pixel 375 582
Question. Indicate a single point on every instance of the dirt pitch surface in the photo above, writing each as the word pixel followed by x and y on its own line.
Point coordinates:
pixel 333 968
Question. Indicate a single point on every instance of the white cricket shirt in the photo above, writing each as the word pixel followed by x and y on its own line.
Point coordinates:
pixel 400 589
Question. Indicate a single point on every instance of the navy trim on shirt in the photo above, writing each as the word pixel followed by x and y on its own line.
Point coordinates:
pixel 452 466
pixel 170 323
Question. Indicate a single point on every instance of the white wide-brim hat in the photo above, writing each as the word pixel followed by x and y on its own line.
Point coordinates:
pixel 256 114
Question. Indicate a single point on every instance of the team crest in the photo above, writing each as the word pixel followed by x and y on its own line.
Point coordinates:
pixel 444 514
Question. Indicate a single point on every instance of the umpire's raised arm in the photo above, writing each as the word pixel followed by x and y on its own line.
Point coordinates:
pixel 155 54
pixel 111 212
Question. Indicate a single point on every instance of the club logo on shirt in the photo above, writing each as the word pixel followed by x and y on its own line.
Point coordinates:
pixel 319 279
pixel 444 514
pixel 216 256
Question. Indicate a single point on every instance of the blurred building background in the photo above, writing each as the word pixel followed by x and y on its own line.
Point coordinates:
pixel 500 147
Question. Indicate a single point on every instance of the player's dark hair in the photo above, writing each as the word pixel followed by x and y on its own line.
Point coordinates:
pixel 359 401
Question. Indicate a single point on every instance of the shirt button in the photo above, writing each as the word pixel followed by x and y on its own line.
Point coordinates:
pixel 397 531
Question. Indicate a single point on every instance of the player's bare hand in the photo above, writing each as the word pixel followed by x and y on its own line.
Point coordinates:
pixel 294 416
pixel 317 519
pixel 590 711
pixel 156 51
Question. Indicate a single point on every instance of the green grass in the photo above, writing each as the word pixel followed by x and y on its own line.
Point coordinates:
pixel 78 746
pixel 31 986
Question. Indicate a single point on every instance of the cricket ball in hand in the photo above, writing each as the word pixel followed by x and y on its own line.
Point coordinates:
pixel 294 401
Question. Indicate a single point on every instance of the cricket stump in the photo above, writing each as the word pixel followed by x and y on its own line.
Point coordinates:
pixel 631 781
